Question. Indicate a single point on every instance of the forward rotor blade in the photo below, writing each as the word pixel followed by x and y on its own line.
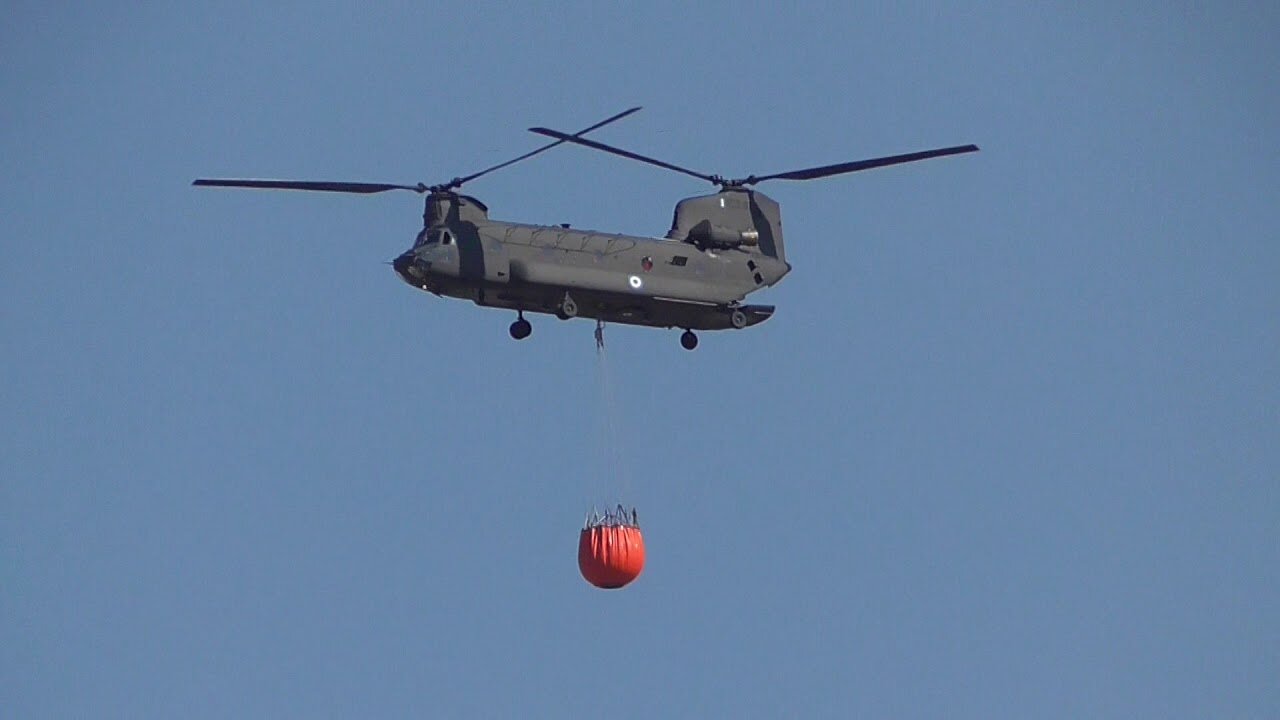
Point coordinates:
pixel 322 186
pixel 619 151
pixel 829 170
pixel 548 146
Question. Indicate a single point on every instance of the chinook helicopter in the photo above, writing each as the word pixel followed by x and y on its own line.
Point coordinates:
pixel 720 248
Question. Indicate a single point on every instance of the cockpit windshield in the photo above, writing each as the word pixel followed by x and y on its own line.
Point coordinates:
pixel 438 236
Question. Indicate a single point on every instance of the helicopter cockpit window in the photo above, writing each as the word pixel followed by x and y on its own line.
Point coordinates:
pixel 446 237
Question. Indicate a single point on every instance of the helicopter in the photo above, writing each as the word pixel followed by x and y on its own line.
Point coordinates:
pixel 720 248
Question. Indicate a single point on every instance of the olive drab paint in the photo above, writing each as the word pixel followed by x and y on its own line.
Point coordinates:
pixel 461 253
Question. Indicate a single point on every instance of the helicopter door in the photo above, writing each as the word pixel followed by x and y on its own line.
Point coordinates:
pixel 470 252
pixel 480 258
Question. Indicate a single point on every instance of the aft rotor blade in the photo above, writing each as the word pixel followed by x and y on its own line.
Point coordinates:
pixel 619 151
pixel 322 186
pixel 548 146
pixel 829 170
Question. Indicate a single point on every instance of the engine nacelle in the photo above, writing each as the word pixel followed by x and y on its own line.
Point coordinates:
pixel 732 218
pixel 704 234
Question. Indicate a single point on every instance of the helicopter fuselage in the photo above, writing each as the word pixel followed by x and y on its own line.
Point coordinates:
pixel 570 272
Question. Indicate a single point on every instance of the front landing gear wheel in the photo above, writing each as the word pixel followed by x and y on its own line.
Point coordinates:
pixel 521 329
pixel 738 319
pixel 688 340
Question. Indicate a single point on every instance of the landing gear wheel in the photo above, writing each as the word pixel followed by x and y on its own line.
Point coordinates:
pixel 688 340
pixel 521 329
pixel 738 319
pixel 568 308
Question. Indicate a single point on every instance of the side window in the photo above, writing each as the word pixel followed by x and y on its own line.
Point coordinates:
pixel 446 238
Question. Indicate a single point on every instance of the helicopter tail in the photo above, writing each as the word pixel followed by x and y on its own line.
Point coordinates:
pixel 766 218
pixel 732 218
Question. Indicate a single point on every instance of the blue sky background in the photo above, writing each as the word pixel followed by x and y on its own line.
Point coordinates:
pixel 1009 447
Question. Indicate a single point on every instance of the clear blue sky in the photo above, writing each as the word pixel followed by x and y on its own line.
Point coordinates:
pixel 1010 446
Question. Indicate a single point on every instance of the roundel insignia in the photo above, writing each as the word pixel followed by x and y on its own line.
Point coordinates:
pixel 635 281
pixel 647 263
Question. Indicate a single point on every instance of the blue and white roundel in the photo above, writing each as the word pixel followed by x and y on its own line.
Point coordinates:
pixel 636 282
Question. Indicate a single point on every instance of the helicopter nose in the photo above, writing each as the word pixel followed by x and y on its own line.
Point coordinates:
pixel 410 268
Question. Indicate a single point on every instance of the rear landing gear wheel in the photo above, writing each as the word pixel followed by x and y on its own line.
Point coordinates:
pixel 521 329
pixel 688 340
pixel 738 319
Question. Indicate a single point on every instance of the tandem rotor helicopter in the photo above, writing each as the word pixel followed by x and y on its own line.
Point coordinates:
pixel 720 248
